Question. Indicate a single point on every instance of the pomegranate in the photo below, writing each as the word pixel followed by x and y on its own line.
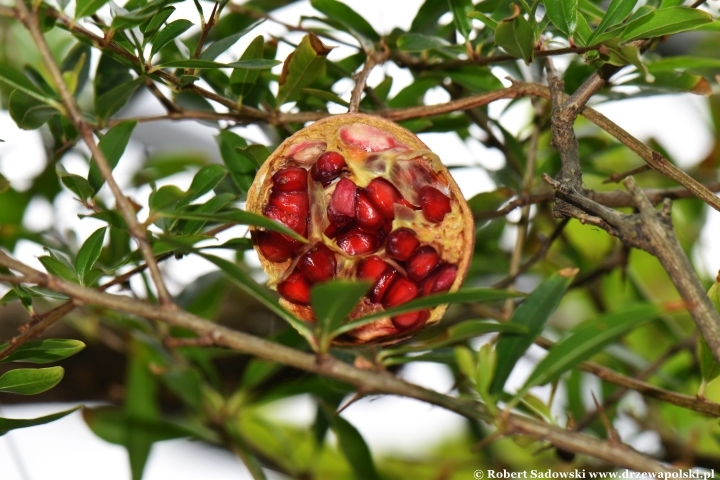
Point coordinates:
pixel 374 204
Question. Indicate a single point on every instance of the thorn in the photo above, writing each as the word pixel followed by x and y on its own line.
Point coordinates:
pixel 358 395
pixel 613 437
pixel 485 442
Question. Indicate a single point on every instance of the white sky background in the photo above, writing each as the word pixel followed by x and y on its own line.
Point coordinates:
pixel 66 449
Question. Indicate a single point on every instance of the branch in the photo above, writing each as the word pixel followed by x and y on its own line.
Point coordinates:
pixel 30 21
pixel 652 231
pixel 373 58
pixel 369 381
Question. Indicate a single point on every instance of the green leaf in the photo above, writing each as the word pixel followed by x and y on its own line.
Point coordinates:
pixel 17 80
pixel 428 16
pixel 489 22
pixel 89 253
pixel 8 424
pixel 203 181
pixel 43 351
pixel 151 27
pixel 665 22
pixel 586 340
pixel 682 63
pixel 252 64
pixel 76 66
pixel 113 145
pixel 353 446
pixel 58 268
pixel 460 10
pixel 326 96
pixel 332 302
pixel 237 217
pixel 242 80
pixel 302 67
pixel 219 46
pixel 616 13
pixel 112 101
pixel 709 368
pixel 85 8
pixel 532 314
pixel 465 361
pixel 168 34
pixel 242 168
pixel 28 112
pixel 456 334
pixel 211 206
pixel 30 381
pixel 345 15
pixel 166 196
pixel 516 36
pixel 465 295
pixel 563 14
pixel 486 365
pixel 243 280
pixel 417 42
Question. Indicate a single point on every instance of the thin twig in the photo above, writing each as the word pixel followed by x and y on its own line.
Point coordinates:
pixel 205 31
pixel 373 58
pixel 30 20
pixel 617 177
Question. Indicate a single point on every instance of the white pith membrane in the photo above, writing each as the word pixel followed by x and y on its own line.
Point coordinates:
pixel 405 168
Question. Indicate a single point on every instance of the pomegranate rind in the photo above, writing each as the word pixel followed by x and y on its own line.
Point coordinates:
pixel 455 235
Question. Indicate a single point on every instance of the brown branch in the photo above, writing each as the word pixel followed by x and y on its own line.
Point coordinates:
pixel 30 20
pixel 377 382
pixel 373 58
pixel 616 177
pixel 205 31
pixel 652 231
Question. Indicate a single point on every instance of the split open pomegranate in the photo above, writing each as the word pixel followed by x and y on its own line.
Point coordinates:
pixel 375 204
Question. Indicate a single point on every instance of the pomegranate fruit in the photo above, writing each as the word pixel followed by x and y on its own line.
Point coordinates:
pixel 375 204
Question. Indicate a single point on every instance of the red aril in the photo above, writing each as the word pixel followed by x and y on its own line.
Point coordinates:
pixel 352 185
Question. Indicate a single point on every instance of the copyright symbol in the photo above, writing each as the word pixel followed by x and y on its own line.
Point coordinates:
pixel 478 474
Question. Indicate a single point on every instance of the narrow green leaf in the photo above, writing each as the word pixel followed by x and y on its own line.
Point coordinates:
pixel 237 217
pixel 85 8
pixel 113 145
pixel 168 34
pixel 211 206
pixel 153 25
pixel 427 19
pixel 57 268
pixel 516 37
pixel 8 424
pixel 17 80
pixel 353 447
pixel 665 22
pixel 242 80
pixel 253 64
pixel 489 22
pixel 671 64
pixel 532 314
pixel 326 96
pixel 245 282
pixel 616 13
pixel 242 168
pixel 417 42
pixel 465 361
pixel 345 15
pixel 43 351
pixel 89 253
pixel 165 197
pixel 332 302
pixel 112 101
pixel 28 112
pixel 586 340
pixel 486 365
pixel 709 368
pixel 219 46
pixel 460 10
pixel 302 67
pixel 203 181
pixel 465 295
pixel 30 381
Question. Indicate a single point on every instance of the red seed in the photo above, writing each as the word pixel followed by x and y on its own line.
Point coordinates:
pixel 357 242
pixel 296 203
pixel 401 243
pixel 273 246
pixel 422 262
pixel 377 293
pixel 367 216
pixel 434 204
pixel 328 167
pixel 371 268
pixel 318 264
pixel 411 320
pixel 401 291
pixel 290 179
pixel 295 222
pixel 295 288
pixel 384 195
pixel 342 204
pixel 441 280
